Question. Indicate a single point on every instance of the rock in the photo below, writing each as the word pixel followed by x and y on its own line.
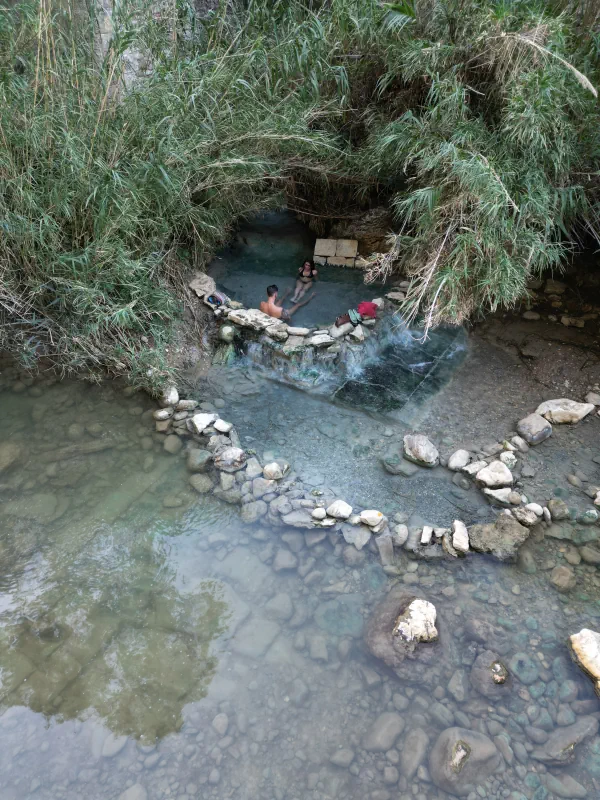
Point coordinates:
pixel 417 622
pixel 558 509
pixel 593 397
pixel 318 648
pixel 135 792
pixel 172 444
pixel 201 483
pixel 508 459
pixel 320 340
pixel 251 512
pixel 199 422
pixel 169 397
pixel 253 468
pixel 461 760
pixel 563 578
pixel 198 460
pixel 227 333
pixel 278 331
pixel 230 460
pixel 565 786
pixel 502 497
pixel 458 685
pixel 385 546
pixel 383 732
pixel 220 724
pixel 9 453
pixel 501 539
pixel 275 471
pixel 460 537
pixel 400 535
pixel 590 554
pixel 252 318
pixel 419 450
pixel 555 287
pixel 561 744
pixel 301 518
pixel 162 414
pixel 358 535
pixel 495 475
pixel 458 460
pixel 41 506
pixel 413 750
pixel 585 650
pixel 222 427
pixel 524 668
pixel 298 331
pixel 371 518
pixel 280 607
pixel 319 514
pixel 261 487
pixel 202 285
pixel 113 745
pixel 489 676
pixel 284 560
pixel 534 429
pixel 342 758
pixel 536 508
pixel 525 516
pixel 564 411
pixel 337 331
pixel 339 510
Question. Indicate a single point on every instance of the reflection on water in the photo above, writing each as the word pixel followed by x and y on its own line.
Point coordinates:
pixel 153 647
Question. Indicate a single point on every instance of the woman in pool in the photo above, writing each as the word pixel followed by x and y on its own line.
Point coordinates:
pixel 307 274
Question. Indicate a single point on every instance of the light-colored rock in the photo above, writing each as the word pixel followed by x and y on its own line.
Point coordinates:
pixel 503 497
pixel 371 518
pixel 339 509
pixel 9 453
pixel 426 535
pixel 135 792
pixel 275 471
pixel 358 535
pixel 161 414
pixel 337 331
pixel 202 285
pixel 501 539
pixel 227 333
pixel 231 459
pixel 278 332
pixel 563 578
pixel 534 429
pixel 525 516
pixel 585 649
pixel 495 475
pixel 201 483
pixel 593 397
pixel 420 450
pixel 253 468
pixel 298 331
pixel 172 444
pixel 458 460
pixel 460 537
pixel 473 468
pixel 357 334
pixel 346 248
pixel 508 459
pixel 400 535
pixel 413 751
pixel 325 247
pixel 319 513
pixel 252 318
pixel 199 422
pixel 536 508
pixel 342 758
pixel 564 410
pixel 222 426
pixel 320 340
pixel 198 460
pixel 417 622
pixel 520 444
pixel 169 397
pixel 220 724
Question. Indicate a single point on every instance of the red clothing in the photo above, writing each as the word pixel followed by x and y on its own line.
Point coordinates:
pixel 368 310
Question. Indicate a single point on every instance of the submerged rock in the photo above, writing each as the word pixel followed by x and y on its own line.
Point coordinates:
pixel 231 459
pixel 413 750
pixel 461 760
pixel 383 732
pixel 534 429
pixel 420 450
pixel 9 453
pixel 489 676
pixel 561 744
pixel 585 649
pixel 564 410
pixel 501 539
pixel 198 460
pixel 563 578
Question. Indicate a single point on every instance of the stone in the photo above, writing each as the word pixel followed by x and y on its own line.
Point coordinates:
pixel 383 732
pixel 558 509
pixel 371 518
pixel 172 444
pixel 346 248
pixel 161 414
pixel 358 535
pixel 494 475
pixel 319 514
pixel 555 287
pixel 342 758
pixel 357 334
pixel 252 318
pixel 590 554
pixel 525 516
pixel 473 468
pixel 501 497
pixel 284 560
pixel 251 512
pixel 564 786
pixel 564 410
pixel 300 518
pixel 458 685
pixel 199 422
pixel 501 539
pixel 461 760
pixel 169 396
pixel 227 333
pixel 563 578
pixel 220 724
pixel 400 535
pixel 298 331
pixel 385 546
pixel 275 471
pixel 536 508
pixel 221 426
pixel 524 668
pixel 202 285
pixel 201 483
pixel 413 751
pixel 458 460
pixel 419 450
pixel 585 650
pixel 321 340
pixel 135 792
pixel 198 460
pixel 261 487
pixel 318 648
pixel 460 537
pixel 9 453
pixel 489 676
pixel 593 398
pixel 113 745
pixel 339 510
pixel 325 247
pixel 231 459
pixel 508 459
pixel 534 429
pixel 253 468
pixel 280 607
pixel 417 622
pixel 560 748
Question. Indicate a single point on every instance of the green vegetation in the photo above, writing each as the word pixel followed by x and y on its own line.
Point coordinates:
pixel 476 120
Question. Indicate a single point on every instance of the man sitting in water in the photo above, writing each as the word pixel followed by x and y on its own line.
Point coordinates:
pixel 271 308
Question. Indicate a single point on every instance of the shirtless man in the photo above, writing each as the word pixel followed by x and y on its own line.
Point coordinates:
pixel 271 308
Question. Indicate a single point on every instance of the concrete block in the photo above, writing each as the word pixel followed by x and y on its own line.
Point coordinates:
pixel 346 248
pixel 325 247
pixel 320 260
pixel 337 261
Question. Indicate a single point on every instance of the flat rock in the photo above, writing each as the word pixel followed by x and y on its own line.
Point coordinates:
pixel 198 460
pixel 461 760
pixel 501 538
pixel 534 428
pixel 301 518
pixel 321 340
pixel 201 483
pixel 383 732
pixel 420 450
pixel 199 422
pixel 251 512
pixel 413 751
pixel 371 518
pixel 585 649
pixel 562 743
pixel 563 578
pixel 564 410
pixel 495 475
pixel 252 318
pixel 135 792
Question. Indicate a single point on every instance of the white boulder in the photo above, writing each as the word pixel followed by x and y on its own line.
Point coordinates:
pixel 564 410
pixel 371 518
pixel 495 475
pixel 460 537
pixel 421 450
pixel 534 429
pixel 319 513
pixel 222 426
pixel 199 422
pixel 169 397
pixel 321 340
pixel 473 469
pixel 275 471
pixel 339 509
pixel 458 460
pixel 536 508
pixel 417 622
pixel 508 459
pixel 585 647
pixel 252 318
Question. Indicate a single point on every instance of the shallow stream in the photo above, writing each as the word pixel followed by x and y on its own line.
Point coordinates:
pixel 153 646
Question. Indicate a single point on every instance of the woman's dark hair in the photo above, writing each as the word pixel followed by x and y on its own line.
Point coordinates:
pixel 272 289
pixel 309 262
